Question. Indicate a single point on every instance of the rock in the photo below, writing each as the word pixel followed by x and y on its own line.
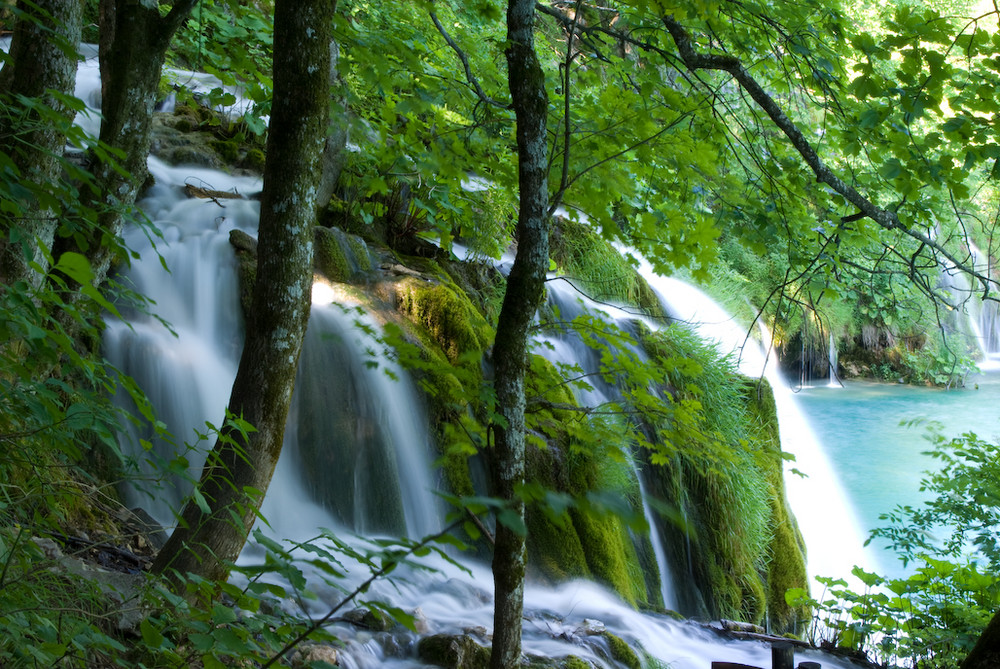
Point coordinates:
pixel 122 590
pixel 736 626
pixel 370 619
pixel 453 652
pixel 241 241
pixel 591 627
pixel 146 527
pixel 306 656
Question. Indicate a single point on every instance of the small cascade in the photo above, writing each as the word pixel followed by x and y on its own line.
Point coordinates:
pixel 834 381
pixel 568 349
pixel 984 317
pixel 833 535
pixel 348 415
pixel 186 363
pixel 355 411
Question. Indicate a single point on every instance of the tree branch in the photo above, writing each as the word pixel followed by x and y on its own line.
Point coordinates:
pixel 469 76
pixel 885 218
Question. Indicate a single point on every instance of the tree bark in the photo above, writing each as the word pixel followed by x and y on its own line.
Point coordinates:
pixel 986 653
pixel 525 287
pixel 134 41
pixel 43 58
pixel 211 535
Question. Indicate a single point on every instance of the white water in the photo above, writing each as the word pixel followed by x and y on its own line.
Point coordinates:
pixel 187 369
pixel 193 372
pixel 827 519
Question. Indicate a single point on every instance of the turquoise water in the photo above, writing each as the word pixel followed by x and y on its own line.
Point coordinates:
pixel 878 456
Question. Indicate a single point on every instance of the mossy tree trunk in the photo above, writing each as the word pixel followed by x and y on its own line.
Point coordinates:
pixel 134 41
pixel 238 470
pixel 42 60
pixel 525 287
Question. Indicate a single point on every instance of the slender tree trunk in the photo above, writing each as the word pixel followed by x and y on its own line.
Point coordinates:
pixel 43 58
pixel 525 287
pixel 134 41
pixel 212 534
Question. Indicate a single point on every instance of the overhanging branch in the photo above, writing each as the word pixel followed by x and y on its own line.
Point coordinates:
pixel 885 218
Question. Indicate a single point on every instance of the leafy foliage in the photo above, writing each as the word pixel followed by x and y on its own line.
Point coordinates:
pixel 933 616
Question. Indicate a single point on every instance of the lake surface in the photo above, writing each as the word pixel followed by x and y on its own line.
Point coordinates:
pixel 874 434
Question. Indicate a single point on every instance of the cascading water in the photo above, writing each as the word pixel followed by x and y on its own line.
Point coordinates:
pixel 194 370
pixel 570 350
pixel 833 536
pixel 984 317
pixel 186 369
pixel 834 382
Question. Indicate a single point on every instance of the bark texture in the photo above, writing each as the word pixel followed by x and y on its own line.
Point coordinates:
pixel 525 287
pixel 43 59
pixel 134 41
pixel 209 537
pixel 986 653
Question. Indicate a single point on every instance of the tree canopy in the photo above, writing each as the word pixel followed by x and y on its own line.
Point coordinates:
pixel 839 163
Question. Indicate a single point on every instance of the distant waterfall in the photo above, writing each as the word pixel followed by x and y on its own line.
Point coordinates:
pixel 833 535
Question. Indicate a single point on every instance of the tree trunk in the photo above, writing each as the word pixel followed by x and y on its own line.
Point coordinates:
pixel 134 41
pixel 43 57
pixel 525 287
pixel 986 653
pixel 211 535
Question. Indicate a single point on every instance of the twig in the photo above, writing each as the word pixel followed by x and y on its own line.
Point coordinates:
pixel 386 568
pixel 471 78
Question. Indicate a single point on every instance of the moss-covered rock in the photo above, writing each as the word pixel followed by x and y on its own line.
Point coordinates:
pixel 446 315
pixel 786 565
pixel 453 651
pixel 736 541
pixel 340 257
pixel 592 262
pixel 622 652
pixel 246 265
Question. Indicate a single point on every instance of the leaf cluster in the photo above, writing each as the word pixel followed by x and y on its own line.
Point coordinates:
pixel 932 616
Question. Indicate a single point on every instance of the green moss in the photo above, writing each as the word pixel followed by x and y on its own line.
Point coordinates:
pixel 594 264
pixel 228 150
pixel 446 315
pixel 786 563
pixel 554 546
pixel 610 554
pixel 573 662
pixel 330 259
pixel 361 255
pixel 254 160
pixel 622 652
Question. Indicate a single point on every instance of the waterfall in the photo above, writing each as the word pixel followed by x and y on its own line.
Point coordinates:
pixel 369 435
pixel 347 416
pixel 353 410
pixel 826 518
pixel 568 349
pixel 834 382
pixel 186 362
pixel 983 317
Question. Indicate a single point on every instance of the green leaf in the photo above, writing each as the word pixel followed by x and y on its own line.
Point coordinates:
pixel 150 635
